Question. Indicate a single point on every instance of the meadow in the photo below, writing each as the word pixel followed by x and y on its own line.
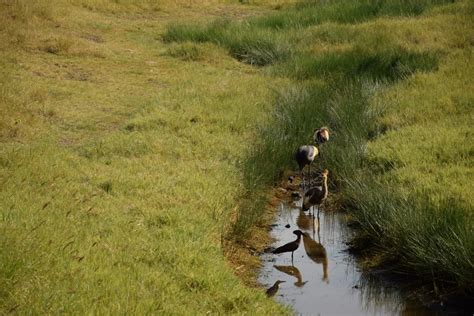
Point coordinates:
pixel 120 159
pixel 393 81
pixel 132 135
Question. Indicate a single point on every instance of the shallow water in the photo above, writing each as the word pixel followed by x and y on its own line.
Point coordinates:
pixel 324 279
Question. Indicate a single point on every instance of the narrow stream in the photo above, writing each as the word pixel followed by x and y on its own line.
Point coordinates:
pixel 326 280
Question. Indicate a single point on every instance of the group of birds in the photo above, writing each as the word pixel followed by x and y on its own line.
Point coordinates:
pixel 313 196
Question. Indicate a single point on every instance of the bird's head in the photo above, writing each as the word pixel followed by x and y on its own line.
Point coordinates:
pixel 298 232
pixel 279 281
pixel 325 173
pixel 321 135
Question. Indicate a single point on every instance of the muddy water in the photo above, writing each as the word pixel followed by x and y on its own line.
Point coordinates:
pixel 324 279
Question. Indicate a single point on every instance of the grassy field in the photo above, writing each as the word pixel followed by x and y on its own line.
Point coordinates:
pixel 120 159
pixel 132 135
pixel 393 80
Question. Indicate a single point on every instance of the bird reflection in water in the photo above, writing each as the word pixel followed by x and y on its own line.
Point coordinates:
pixel 317 253
pixel 293 271
pixel 307 223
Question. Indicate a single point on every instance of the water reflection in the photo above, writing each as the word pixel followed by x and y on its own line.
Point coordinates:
pixel 317 253
pixel 293 271
pixel 349 293
pixel 305 222
pixel 308 223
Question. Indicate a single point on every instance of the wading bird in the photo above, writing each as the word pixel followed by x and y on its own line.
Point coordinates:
pixel 291 246
pixel 305 156
pixel 316 195
pixel 271 291
pixel 321 135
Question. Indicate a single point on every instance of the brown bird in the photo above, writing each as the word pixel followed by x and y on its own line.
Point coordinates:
pixel 305 156
pixel 321 135
pixel 316 195
pixel 271 291
pixel 317 253
pixel 291 246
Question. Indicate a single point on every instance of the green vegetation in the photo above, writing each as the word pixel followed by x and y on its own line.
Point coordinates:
pixel 129 137
pixel 393 80
pixel 120 160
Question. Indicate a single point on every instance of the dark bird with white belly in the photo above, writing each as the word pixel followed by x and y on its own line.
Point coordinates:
pixel 291 246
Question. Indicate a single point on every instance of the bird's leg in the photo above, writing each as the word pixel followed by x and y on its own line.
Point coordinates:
pixel 319 235
pixel 309 176
pixel 302 178
pixel 319 228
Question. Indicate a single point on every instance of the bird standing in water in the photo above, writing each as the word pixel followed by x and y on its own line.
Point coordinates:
pixel 305 156
pixel 291 246
pixel 271 291
pixel 316 195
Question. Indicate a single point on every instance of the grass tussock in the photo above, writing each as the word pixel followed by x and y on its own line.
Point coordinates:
pixel 253 46
pixel 310 13
pixel 383 64
pixel 386 76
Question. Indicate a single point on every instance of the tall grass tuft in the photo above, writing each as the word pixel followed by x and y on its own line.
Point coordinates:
pixel 252 46
pixel 310 13
pixel 434 241
pixel 385 63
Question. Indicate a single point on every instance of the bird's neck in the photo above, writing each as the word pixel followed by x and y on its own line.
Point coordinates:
pixel 325 186
pixel 298 239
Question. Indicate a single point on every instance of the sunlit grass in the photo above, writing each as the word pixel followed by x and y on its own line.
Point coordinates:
pixel 397 99
pixel 119 163
pixel 123 157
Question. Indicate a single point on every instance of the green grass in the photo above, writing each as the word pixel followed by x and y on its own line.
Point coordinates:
pixel 250 45
pixel 310 13
pixel 119 162
pixel 123 157
pixel 392 80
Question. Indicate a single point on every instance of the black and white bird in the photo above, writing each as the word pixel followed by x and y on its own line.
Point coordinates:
pixel 321 135
pixel 316 195
pixel 291 246
pixel 304 156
